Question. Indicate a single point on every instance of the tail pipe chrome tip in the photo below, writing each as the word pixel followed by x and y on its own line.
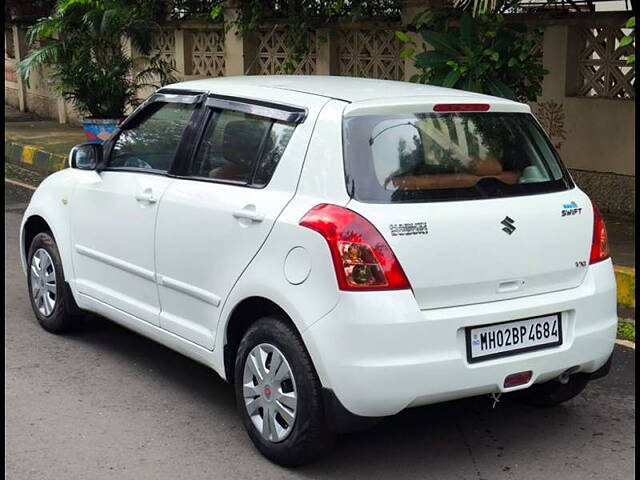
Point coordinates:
pixel 564 377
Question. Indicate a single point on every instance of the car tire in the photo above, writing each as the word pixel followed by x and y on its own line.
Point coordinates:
pixel 49 293
pixel 553 392
pixel 308 436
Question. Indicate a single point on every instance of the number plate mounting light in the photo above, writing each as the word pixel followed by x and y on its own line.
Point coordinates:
pixel 515 379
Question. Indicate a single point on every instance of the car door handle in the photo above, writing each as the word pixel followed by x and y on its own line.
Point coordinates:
pixel 249 215
pixel 146 196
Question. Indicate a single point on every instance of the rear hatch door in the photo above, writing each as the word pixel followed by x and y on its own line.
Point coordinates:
pixel 472 198
pixel 460 253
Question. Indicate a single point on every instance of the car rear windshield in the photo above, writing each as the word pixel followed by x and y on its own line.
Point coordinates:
pixel 448 156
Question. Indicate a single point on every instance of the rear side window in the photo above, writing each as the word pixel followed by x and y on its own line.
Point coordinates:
pixel 241 148
pixel 448 156
pixel 152 143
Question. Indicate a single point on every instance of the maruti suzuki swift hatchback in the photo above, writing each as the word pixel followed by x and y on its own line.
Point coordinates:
pixel 338 249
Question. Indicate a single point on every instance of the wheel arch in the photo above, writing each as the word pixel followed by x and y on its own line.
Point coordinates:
pixel 33 225
pixel 244 314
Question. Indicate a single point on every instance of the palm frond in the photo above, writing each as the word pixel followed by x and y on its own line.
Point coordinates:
pixel 42 29
pixel 41 56
pixel 63 5
pixel 158 69
pixel 111 19
pixel 478 7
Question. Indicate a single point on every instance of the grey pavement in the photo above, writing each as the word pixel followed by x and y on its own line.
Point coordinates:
pixel 621 232
pixel 106 403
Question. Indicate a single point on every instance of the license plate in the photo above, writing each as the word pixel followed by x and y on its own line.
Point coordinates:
pixel 513 337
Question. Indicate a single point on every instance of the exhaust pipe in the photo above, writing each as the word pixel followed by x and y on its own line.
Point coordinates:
pixel 564 377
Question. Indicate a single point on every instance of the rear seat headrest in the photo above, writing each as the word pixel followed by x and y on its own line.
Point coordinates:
pixel 241 140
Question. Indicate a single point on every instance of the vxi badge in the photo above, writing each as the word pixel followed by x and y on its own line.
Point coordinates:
pixel 509 226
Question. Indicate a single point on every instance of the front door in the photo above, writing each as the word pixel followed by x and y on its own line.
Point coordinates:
pixel 114 211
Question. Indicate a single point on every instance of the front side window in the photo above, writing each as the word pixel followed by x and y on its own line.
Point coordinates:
pixel 448 156
pixel 241 148
pixel 152 144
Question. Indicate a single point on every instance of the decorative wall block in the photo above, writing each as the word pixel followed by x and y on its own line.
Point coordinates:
pixel 208 53
pixel 275 54
pixel 164 44
pixel 602 65
pixel 373 53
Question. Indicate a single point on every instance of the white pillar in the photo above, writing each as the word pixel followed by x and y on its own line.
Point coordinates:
pixel 239 48
pixel 20 49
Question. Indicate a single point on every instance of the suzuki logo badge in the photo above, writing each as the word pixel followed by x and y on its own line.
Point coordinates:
pixel 509 226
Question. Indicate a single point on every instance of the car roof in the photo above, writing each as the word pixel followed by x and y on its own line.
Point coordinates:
pixel 349 89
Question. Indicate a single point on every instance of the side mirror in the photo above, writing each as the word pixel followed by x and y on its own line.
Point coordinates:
pixel 85 156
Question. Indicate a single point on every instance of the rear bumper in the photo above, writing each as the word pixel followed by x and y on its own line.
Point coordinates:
pixel 380 354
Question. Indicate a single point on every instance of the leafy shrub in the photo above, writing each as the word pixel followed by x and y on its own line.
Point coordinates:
pixel 483 54
pixel 630 39
pixel 626 331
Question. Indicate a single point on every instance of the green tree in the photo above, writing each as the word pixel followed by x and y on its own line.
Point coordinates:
pixel 83 43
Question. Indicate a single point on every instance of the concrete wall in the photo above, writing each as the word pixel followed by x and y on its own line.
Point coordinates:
pixel 600 135
pixel 38 96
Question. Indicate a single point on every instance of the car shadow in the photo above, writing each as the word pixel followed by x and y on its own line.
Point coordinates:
pixel 201 383
pixel 460 439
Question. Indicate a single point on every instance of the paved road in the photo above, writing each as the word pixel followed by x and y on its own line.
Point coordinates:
pixel 105 403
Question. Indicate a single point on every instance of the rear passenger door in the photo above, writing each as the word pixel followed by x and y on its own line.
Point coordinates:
pixel 219 210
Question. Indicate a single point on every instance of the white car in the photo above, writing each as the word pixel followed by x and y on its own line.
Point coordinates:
pixel 339 249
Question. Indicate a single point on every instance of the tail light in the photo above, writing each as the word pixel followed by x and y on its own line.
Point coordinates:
pixel 599 244
pixel 361 257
